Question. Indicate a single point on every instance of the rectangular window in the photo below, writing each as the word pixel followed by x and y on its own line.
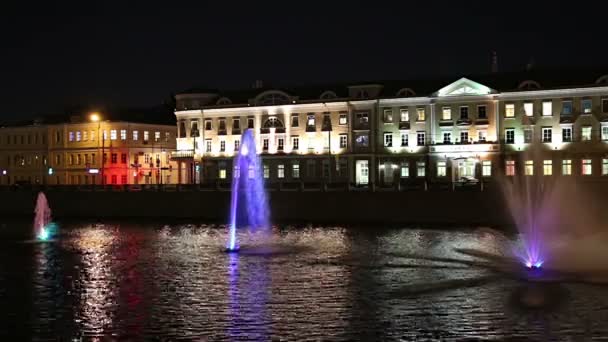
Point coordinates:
pixel 481 112
pixel 464 112
pixel 343 119
pixel 92 135
pixel 222 146
pixel 114 179
pixel 156 136
pixel 295 170
pixel 529 109
pixel 586 133
pixel 71 136
pixel 547 167
pixel 388 139
pixel 441 169
pixel 405 138
pixel 208 125
pixel 566 167
pixel 78 136
pixel 567 107
pixel 113 135
pixel 146 136
pixel 510 136
pixel 123 158
pixel 405 170
pixel 237 145
pixel 604 105
pixel 77 159
pixel 250 123
pixel 510 167
pixel 93 158
pixel 310 121
pixel 114 158
pixel 222 172
pixel 587 169
pixel 604 133
pixel 208 145
pixel 266 171
pixel 362 140
pixel 222 125
pixel 421 114
pixel 529 168
pixel 481 136
pixel 604 167
pixel 295 143
pixel 404 115
pixel 280 144
pixel 123 134
pixel 547 134
pixel 105 135
pixel 281 171
pixel 420 139
pixel 265 144
pixel 85 135
pixel 447 137
pixel 509 110
pixel 135 135
pixel 586 106
pixel 528 135
pixel 236 124
pixel 446 113
pixel 420 169
pixel 464 136
pixel 486 168
pixel 547 108
pixel 295 120
pixel 167 136
pixel 123 179
pixel 343 140
pixel 388 115
pixel 566 134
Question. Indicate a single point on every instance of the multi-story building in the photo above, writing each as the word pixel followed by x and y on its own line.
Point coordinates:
pixel 85 152
pixel 403 132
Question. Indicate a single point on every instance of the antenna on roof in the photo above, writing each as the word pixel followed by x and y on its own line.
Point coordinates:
pixel 494 62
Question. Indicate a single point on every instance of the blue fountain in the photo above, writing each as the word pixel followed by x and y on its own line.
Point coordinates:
pixel 248 203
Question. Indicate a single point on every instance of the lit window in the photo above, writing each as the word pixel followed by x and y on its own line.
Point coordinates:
pixel 421 113
pixel 105 135
pixel 566 107
pixel 404 139
pixel 113 135
pixel 280 144
pixel 510 168
pixel 604 133
pixel 295 143
pixel 167 136
pixel 135 135
pixel 481 112
pixel 464 136
pixel 547 134
pixel 464 113
pixel 343 119
pixel 481 136
pixel 92 135
pixel 156 136
pixel 420 139
pixel 222 172
pixel 388 139
pixel 447 137
pixel 446 113
pixel 510 136
pixel 528 135
pixel 405 115
pixel 85 135
pixel 587 106
pixel 604 167
pixel 486 168
pixel 529 168
pixel 547 108
pixel 586 133
pixel 71 136
pixel 208 126
pixel 281 171
pixel 509 110
pixel 420 169
pixel 310 122
pixel 566 167
pixel 207 145
pixel 123 134
pixel 78 136
pixel 295 170
pixel 405 170
pixel 547 167
pixel 114 158
pixel 587 170
pixel 265 144
pixel 566 134
pixel 343 140
pixel 78 159
pixel 529 109
pixel 222 146
pixel 441 169
pixel 266 171
pixel 388 115
pixel 146 136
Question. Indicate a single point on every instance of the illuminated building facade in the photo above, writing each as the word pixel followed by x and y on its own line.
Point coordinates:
pixel 398 133
pixel 72 153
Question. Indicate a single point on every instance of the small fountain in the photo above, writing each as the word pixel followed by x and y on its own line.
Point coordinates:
pixel 42 219
pixel 248 204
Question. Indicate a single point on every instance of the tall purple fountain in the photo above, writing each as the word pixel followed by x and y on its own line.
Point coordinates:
pixel 248 203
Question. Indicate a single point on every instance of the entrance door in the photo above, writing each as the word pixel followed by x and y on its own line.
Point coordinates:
pixel 388 173
pixel 466 168
pixel 362 172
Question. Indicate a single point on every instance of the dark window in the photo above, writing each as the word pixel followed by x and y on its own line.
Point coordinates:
pixel 604 105
pixel 114 157
pixel 123 158
pixel 182 129
pixel 208 125
pixel 222 125
pixel 236 124
pixel 481 112
pixel 464 113
pixel 249 122
pixel 295 120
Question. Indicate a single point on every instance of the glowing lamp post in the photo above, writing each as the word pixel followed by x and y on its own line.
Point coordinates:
pixel 95 117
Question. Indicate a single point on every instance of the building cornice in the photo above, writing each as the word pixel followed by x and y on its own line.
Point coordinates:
pixel 566 92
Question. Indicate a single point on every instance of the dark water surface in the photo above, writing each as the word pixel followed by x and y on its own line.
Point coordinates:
pixel 136 281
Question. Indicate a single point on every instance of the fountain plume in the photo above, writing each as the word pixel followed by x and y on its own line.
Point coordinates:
pixel 42 217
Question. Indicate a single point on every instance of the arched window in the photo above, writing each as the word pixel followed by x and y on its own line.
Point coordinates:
pixel 223 101
pixel 528 85
pixel 327 95
pixel 272 97
pixel 273 122
pixel 405 92
pixel 602 80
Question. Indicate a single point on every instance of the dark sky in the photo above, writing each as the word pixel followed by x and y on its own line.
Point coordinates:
pixel 57 56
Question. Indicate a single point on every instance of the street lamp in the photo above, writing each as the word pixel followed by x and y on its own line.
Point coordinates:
pixel 96 117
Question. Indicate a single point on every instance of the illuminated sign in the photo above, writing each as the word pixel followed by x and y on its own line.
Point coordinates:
pixel 93 170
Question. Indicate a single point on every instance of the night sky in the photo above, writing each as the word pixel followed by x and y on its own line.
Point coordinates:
pixel 55 57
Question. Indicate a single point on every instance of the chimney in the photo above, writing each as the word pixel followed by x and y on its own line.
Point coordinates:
pixel 258 84
pixel 494 62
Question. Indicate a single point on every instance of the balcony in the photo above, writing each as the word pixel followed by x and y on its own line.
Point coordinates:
pixel 183 154
pixel 446 123
pixel 464 122
pixel 404 125
pixel 482 122
pixel 221 132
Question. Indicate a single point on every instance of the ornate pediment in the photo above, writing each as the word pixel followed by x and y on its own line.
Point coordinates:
pixel 464 87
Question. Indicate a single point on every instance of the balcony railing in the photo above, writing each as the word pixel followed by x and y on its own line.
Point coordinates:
pixel 182 154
